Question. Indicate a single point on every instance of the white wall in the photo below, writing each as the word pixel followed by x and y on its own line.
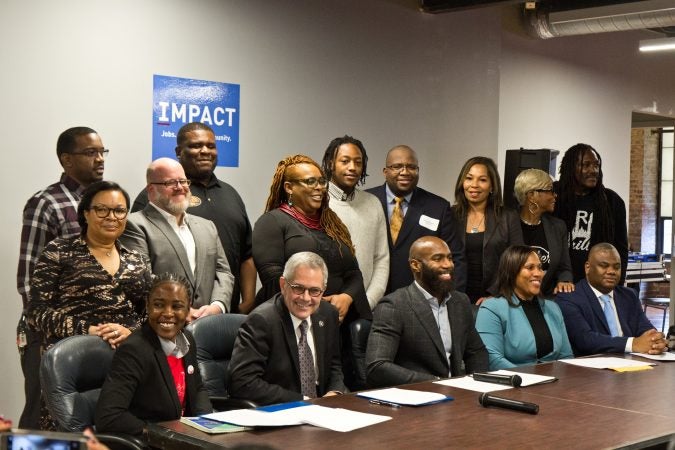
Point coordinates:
pixel 556 93
pixel 309 71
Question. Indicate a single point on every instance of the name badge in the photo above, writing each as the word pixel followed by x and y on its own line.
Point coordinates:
pixel 429 222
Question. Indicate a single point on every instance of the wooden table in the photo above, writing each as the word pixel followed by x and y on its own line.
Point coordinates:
pixel 584 409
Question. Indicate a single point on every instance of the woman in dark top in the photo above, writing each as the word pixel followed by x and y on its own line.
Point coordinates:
pixel 297 218
pixel 543 232
pixel 519 328
pixel 90 284
pixel 154 376
pixel 485 225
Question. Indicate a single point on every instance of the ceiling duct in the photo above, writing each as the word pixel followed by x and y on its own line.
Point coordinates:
pixel 545 22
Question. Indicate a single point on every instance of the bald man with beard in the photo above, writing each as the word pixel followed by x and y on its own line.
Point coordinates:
pixel 424 331
pixel 176 242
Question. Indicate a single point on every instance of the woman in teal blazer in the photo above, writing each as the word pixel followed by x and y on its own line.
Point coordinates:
pixel 518 328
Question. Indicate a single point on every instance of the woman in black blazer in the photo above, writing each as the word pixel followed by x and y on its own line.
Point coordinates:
pixel 154 375
pixel 546 234
pixel 486 226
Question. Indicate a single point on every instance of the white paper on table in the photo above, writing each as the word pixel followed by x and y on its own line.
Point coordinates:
pixel 404 396
pixel 529 379
pixel 255 418
pixel 472 385
pixel 338 419
pixel 605 362
pixel 665 356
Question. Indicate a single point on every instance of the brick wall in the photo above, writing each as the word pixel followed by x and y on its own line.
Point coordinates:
pixel 642 204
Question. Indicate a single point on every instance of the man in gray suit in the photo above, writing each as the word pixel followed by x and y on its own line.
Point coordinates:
pixel 426 330
pixel 180 243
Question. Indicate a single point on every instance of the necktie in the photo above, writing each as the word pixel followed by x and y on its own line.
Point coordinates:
pixel 609 315
pixel 396 219
pixel 307 377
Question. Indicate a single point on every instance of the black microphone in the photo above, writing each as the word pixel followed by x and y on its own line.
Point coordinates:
pixel 509 380
pixel 486 399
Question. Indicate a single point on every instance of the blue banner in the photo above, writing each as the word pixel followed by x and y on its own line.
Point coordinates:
pixel 178 101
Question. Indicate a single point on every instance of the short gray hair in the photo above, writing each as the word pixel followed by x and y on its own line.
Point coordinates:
pixel 529 180
pixel 306 259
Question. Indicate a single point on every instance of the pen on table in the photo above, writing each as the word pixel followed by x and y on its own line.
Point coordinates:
pixel 383 403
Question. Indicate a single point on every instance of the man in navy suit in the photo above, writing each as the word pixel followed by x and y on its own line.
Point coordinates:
pixel 289 347
pixel 602 317
pixel 424 214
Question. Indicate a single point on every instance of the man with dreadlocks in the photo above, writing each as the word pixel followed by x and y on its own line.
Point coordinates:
pixel 344 163
pixel 592 212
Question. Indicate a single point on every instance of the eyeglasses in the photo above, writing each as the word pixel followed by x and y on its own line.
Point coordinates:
pixel 299 289
pixel 399 167
pixel 174 183
pixel 312 182
pixel 549 191
pixel 103 211
pixel 92 152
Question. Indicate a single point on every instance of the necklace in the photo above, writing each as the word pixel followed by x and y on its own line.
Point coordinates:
pixel 530 223
pixel 475 227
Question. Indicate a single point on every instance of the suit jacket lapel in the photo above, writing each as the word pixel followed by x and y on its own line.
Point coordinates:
pixel 167 377
pixel 319 336
pixel 490 227
pixel 595 305
pixel 156 218
pixel 200 248
pixel 553 249
pixel 422 311
pixel 411 218
pixel 289 333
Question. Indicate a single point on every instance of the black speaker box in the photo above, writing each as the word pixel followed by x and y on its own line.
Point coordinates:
pixel 519 160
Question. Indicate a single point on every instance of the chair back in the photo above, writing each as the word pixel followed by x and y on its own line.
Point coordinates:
pixel 359 331
pixel 215 337
pixel 72 372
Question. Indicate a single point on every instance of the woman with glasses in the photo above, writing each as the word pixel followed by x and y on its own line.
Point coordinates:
pixel 519 327
pixel 486 226
pixel 543 232
pixel 297 218
pixel 90 284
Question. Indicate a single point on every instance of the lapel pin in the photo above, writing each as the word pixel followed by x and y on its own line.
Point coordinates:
pixel 191 369
pixel 320 323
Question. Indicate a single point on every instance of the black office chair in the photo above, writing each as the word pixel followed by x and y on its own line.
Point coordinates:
pixel 215 337
pixel 359 331
pixel 72 372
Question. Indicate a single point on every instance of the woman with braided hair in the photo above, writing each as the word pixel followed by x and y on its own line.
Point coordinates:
pixel 592 212
pixel 297 218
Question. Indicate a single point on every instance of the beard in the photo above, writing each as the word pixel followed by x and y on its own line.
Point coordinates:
pixel 173 206
pixel 434 285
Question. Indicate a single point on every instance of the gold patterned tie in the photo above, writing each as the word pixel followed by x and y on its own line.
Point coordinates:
pixel 396 219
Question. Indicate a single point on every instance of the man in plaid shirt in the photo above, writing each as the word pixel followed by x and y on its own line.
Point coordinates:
pixel 52 213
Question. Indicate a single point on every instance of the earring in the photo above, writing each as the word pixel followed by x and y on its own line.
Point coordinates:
pixel 536 207
pixel 290 199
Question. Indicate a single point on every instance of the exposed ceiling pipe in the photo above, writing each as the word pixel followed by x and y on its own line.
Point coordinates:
pixel 545 23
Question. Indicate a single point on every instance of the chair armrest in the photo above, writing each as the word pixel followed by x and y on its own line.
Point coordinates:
pixel 121 441
pixel 228 403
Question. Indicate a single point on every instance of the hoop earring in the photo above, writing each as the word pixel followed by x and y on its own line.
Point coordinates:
pixel 290 199
pixel 536 207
